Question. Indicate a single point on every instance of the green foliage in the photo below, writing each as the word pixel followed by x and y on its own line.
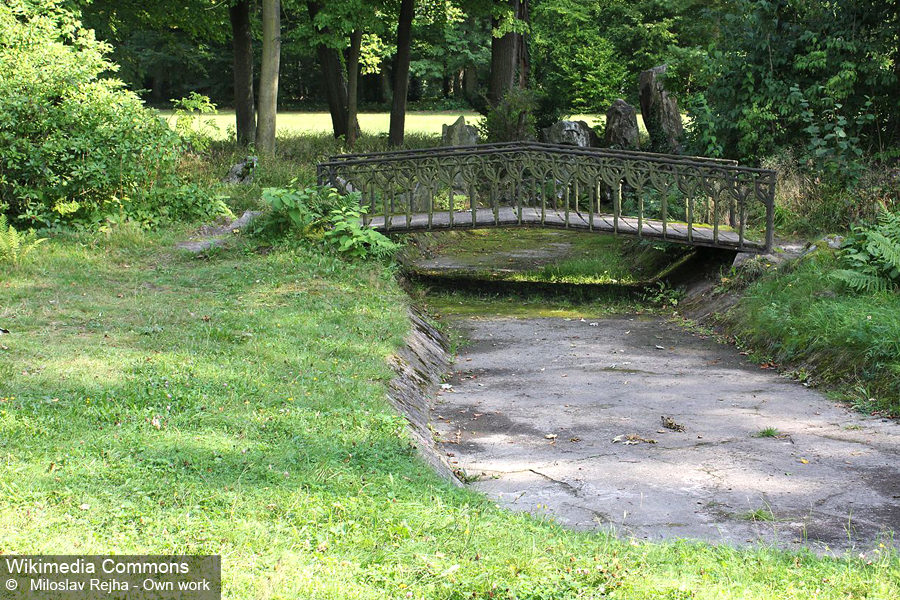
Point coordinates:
pixel 512 119
pixel 815 75
pixel 15 246
pixel 806 317
pixel 303 209
pixel 76 148
pixel 581 68
pixel 317 211
pixel 585 53
pixel 347 235
pixel 871 256
pixel 196 131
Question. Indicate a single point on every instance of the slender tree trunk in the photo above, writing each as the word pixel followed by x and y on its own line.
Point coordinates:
pixel 352 86
pixel 244 107
pixel 333 77
pixel 522 46
pixel 268 76
pixel 504 57
pixel 401 73
pixel 470 82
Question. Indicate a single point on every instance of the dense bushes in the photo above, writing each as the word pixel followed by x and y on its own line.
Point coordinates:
pixel 820 76
pixel 76 147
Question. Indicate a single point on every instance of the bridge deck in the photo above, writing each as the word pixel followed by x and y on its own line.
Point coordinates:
pixel 697 234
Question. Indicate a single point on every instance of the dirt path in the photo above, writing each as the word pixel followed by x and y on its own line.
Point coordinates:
pixel 536 405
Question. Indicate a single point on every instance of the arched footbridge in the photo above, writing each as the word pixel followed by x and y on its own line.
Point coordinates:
pixel 684 199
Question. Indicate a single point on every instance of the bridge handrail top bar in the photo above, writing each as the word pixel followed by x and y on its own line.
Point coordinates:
pixel 496 149
pixel 525 144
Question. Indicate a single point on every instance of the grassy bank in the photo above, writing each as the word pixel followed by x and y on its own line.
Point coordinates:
pixel 804 320
pixel 155 402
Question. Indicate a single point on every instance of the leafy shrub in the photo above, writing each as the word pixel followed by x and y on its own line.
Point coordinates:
pixel 303 209
pixel 349 237
pixel 196 131
pixel 76 147
pixel 512 119
pixel 318 211
pixel 15 246
pixel 871 256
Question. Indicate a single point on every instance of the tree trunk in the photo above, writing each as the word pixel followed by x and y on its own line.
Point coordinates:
pixel 333 76
pixel 470 82
pixel 352 86
pixel 522 46
pixel 504 56
pixel 401 73
pixel 268 76
pixel 244 107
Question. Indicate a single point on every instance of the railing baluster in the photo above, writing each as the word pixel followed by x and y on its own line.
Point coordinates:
pixel 431 203
pixel 715 214
pixel 410 198
pixel 690 217
pixel 617 205
pixel 372 197
pixel 543 204
pixel 664 209
pixel 640 194
pixel 472 204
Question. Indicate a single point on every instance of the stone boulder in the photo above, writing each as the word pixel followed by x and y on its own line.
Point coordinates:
pixel 459 134
pixel 621 127
pixel 660 111
pixel 242 172
pixel 570 133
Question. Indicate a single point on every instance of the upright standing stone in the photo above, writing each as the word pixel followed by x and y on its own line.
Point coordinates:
pixel 570 133
pixel 660 111
pixel 621 127
pixel 459 134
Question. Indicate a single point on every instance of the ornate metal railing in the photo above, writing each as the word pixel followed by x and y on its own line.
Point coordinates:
pixel 701 201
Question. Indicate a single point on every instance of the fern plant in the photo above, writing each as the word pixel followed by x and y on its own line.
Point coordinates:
pixel 871 256
pixel 15 246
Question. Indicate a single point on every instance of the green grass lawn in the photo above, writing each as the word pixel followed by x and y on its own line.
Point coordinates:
pixel 301 122
pixel 155 402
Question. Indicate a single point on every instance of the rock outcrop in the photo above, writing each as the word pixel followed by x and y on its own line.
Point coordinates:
pixel 660 111
pixel 242 172
pixel 570 133
pixel 621 127
pixel 459 134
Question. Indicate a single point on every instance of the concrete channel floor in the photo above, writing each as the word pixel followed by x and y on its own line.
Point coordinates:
pixel 563 417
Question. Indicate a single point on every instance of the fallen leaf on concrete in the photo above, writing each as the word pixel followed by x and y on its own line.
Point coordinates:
pixel 632 439
pixel 804 461
pixel 669 423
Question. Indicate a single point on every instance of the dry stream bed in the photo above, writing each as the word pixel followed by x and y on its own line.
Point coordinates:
pixel 632 423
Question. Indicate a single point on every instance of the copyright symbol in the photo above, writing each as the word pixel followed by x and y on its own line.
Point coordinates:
pixel 11 584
